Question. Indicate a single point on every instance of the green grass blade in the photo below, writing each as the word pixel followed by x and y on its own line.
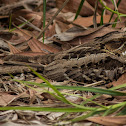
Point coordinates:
pixel 109 9
pixel 114 25
pixel 112 2
pixel 51 20
pixel 96 90
pixel 21 25
pixel 61 93
pixel 80 88
pixel 79 9
pixel 107 111
pixel 122 112
pixel 44 17
pixel 10 22
pixel 113 12
pixel 47 109
pixel 89 100
pixel 101 22
pixel 98 95
pixel 56 91
pixel 111 17
pixel 118 2
pixel 118 87
pixel 85 116
pixel 51 86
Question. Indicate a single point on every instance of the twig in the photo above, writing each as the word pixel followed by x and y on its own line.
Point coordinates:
pixel 95 14
pixel 28 23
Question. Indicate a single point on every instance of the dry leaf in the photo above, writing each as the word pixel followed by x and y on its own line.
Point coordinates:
pixel 6 98
pixel 28 15
pixel 1 61
pixel 8 1
pixel 88 21
pixel 63 27
pixel 73 5
pixel 37 46
pixel 13 50
pixel 121 80
pixel 109 121
pixel 50 31
pixel 32 96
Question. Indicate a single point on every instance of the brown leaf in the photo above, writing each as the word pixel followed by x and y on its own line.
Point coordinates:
pixel 109 121
pixel 32 95
pixel 13 50
pixel 3 44
pixel 38 80
pixel 73 5
pixel 50 31
pixel 15 38
pixel 37 46
pixel 6 98
pixel 28 15
pixel 1 61
pixel 48 96
pixel 121 80
pixel 63 27
pixel 8 1
pixel 88 21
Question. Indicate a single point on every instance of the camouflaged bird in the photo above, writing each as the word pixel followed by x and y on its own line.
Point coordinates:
pixel 104 58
